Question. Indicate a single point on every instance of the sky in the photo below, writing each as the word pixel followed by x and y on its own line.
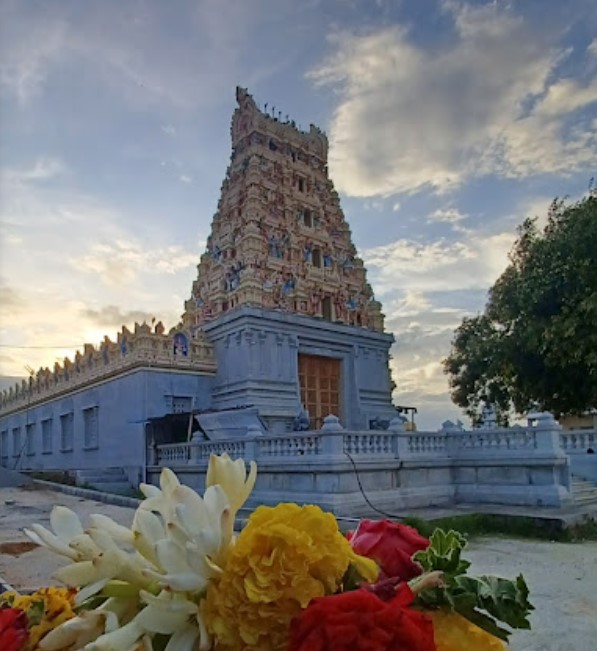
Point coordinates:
pixel 449 123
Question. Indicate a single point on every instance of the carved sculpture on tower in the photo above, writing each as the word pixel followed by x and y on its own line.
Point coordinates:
pixel 279 239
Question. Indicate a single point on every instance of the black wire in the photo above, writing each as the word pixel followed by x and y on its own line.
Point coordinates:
pixel 394 516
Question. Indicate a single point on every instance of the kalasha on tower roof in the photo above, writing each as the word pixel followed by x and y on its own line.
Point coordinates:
pixel 279 239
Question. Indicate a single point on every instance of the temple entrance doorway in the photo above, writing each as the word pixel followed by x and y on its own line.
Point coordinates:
pixel 319 379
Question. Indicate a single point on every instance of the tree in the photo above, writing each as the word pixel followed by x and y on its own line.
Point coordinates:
pixel 535 345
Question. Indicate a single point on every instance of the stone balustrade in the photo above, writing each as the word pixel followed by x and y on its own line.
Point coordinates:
pixel 369 443
pixel 173 453
pixel 346 471
pixel 524 440
pixel 141 347
pixel 578 441
pixel 289 446
pixel 333 442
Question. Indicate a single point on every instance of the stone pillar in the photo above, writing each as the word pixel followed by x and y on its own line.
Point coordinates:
pixel 400 442
pixel 547 431
pixel 251 443
pixel 195 453
pixel 332 439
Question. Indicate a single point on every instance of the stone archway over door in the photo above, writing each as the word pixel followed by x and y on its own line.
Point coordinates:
pixel 319 379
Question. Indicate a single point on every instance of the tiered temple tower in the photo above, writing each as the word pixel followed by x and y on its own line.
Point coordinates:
pixel 279 239
pixel 280 291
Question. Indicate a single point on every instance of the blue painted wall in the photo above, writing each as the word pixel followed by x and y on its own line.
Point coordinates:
pixel 123 406
pixel 257 354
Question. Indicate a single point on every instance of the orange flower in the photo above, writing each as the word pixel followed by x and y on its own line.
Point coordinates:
pixel 456 633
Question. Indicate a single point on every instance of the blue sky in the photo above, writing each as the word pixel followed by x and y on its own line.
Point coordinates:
pixel 449 122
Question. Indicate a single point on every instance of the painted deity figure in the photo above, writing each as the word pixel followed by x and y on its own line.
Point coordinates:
pixel 308 252
pixel 289 284
pixel 180 345
pixel 348 264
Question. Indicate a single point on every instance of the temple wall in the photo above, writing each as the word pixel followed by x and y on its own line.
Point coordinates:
pixel 257 352
pixel 101 426
pixel 397 471
pixel 135 349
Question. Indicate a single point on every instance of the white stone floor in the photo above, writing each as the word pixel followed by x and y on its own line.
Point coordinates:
pixel 562 577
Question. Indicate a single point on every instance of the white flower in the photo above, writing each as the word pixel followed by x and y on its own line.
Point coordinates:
pixel 176 545
pixel 232 477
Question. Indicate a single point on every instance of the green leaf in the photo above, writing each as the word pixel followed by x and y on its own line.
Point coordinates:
pixel 486 601
pixel 443 553
pixel 35 612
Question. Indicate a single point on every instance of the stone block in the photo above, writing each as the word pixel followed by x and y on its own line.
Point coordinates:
pixel 503 474
pixel 465 475
pixel 542 476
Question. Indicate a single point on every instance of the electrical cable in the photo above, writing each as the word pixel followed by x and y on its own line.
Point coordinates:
pixel 394 516
pixel 41 347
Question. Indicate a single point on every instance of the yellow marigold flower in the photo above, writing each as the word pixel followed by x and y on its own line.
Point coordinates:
pixel 453 632
pixel 46 609
pixel 283 558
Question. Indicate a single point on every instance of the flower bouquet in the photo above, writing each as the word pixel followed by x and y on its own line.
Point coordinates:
pixel 180 579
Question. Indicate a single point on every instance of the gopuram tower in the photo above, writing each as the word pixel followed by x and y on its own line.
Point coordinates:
pixel 280 291
pixel 279 239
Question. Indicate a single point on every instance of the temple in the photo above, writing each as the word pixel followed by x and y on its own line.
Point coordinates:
pixel 281 329
pixel 280 357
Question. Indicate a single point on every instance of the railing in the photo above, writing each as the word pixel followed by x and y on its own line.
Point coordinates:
pixel 431 444
pixel 335 443
pixel 289 446
pixel 578 441
pixel 371 443
pixel 172 453
pixel 235 449
pixel 499 439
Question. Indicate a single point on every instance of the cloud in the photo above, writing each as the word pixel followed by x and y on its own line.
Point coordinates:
pixel 122 261
pixel 77 256
pixel 168 129
pixel 474 262
pixel 10 300
pixel 29 52
pixel 427 288
pixel 592 49
pixel 183 178
pixel 487 102
pixel 112 316
pixel 43 169
pixel 131 54
pixel 449 215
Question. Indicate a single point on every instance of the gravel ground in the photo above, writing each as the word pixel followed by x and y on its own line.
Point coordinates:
pixel 562 577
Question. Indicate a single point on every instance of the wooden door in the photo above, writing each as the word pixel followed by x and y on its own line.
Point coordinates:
pixel 319 379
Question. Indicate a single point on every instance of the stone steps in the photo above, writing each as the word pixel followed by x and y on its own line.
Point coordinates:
pixel 583 491
pixel 108 480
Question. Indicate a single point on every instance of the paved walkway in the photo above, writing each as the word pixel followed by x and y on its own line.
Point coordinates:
pixel 562 577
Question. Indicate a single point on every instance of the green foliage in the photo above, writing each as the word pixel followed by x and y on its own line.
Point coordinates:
pixel 35 612
pixel 535 345
pixel 487 601
pixel 443 553
pixel 483 524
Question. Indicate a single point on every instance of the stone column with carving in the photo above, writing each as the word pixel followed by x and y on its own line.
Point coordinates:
pixel 332 439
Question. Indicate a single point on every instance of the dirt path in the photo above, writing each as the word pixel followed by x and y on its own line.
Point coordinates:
pixel 562 577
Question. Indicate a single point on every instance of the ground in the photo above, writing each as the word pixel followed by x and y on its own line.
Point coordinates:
pixel 562 577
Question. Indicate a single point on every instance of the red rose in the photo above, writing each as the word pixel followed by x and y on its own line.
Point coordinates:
pixel 360 621
pixel 391 546
pixel 13 629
